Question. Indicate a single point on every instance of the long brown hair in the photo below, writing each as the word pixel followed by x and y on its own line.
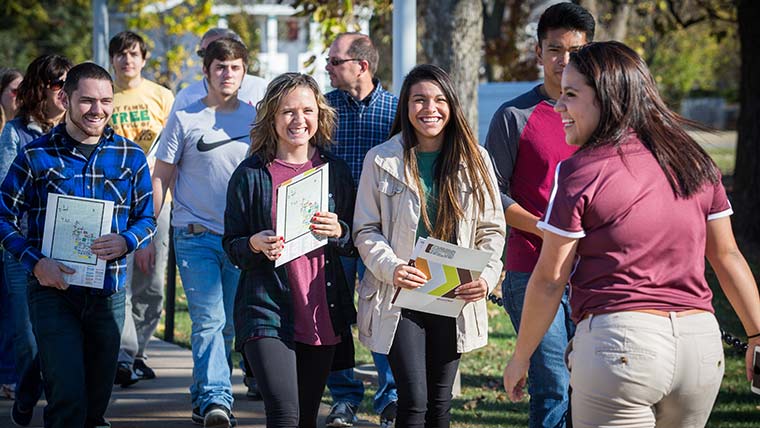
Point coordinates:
pixel 7 76
pixel 32 99
pixel 264 134
pixel 459 146
pixel 629 101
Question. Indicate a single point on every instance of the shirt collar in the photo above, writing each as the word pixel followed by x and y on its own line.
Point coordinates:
pixel 369 99
pixel 59 134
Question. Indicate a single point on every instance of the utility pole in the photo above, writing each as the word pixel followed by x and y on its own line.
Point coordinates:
pixel 404 41
pixel 100 33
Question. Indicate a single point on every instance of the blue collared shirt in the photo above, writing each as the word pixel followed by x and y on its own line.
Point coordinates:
pixel 361 124
pixel 116 171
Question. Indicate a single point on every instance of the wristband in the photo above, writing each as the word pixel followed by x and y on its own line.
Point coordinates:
pixel 753 336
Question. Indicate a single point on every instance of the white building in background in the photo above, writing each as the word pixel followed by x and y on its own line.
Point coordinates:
pixel 288 42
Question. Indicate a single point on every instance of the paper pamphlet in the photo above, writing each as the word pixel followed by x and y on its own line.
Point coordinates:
pixel 446 266
pixel 71 224
pixel 298 199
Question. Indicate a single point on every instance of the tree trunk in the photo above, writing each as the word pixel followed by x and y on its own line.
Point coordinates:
pixel 747 172
pixel 611 18
pixel 492 32
pixel 618 27
pixel 453 40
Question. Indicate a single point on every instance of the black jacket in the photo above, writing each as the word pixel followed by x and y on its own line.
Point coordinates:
pixel 263 304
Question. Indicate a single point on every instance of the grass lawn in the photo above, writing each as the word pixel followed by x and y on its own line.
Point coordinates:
pixel 483 402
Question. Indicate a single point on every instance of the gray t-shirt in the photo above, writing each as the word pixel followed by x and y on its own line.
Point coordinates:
pixel 207 146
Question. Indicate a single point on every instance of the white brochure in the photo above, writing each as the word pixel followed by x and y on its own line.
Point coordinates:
pixel 71 224
pixel 446 266
pixel 298 199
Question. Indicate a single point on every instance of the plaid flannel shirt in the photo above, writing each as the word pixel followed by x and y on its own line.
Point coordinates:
pixel 116 171
pixel 361 124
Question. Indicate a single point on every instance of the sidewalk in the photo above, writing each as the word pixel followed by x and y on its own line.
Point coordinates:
pixel 164 402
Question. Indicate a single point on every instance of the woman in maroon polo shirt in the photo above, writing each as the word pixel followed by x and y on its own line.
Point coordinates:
pixel 630 220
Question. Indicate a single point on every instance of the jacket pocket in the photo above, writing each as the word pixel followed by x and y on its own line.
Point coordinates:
pixel 117 185
pixel 389 186
pixel 58 180
pixel 368 293
pixel 391 203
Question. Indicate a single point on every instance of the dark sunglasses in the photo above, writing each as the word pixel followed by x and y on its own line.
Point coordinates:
pixel 201 52
pixel 336 61
pixel 56 85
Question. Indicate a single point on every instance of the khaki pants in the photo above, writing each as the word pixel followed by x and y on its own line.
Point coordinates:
pixel 632 369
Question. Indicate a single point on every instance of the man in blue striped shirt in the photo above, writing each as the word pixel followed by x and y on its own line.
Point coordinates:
pixel 365 115
pixel 77 329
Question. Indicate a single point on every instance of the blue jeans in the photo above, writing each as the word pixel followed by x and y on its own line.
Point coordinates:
pixel 7 363
pixel 78 338
pixel 145 295
pixel 548 377
pixel 342 385
pixel 210 281
pixel 29 385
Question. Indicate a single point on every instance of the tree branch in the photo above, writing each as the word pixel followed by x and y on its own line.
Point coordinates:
pixel 683 23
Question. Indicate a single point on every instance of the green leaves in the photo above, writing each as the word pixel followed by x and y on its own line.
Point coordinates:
pixel 168 27
pixel 33 28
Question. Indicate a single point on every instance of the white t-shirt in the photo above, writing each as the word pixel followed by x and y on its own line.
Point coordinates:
pixel 206 146
pixel 251 91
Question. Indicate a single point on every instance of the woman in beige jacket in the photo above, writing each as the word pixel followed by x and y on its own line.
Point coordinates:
pixel 430 179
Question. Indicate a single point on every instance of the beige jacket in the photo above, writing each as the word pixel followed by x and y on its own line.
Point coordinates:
pixel 385 224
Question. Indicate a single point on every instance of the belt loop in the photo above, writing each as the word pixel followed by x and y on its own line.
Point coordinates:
pixel 674 323
pixel 588 326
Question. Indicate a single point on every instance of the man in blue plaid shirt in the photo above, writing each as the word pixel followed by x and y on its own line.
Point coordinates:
pixel 365 115
pixel 77 329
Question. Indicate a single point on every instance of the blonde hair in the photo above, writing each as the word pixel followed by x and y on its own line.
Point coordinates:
pixel 264 135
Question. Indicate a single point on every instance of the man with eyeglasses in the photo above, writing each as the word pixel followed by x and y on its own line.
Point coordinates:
pixel 365 115
pixel 251 91
pixel 140 111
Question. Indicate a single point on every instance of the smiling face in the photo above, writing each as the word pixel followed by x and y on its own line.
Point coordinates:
pixel 578 107
pixel 89 108
pixel 128 64
pixel 297 120
pixel 428 114
pixel 54 104
pixel 554 53
pixel 8 98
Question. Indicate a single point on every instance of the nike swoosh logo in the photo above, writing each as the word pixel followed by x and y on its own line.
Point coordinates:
pixel 205 147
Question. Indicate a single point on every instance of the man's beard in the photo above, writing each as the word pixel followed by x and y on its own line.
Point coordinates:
pixel 89 130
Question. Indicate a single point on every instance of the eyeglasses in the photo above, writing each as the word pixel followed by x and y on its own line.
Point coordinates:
pixel 201 52
pixel 56 85
pixel 337 61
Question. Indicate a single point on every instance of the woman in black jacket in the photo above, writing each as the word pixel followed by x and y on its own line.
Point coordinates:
pixel 293 321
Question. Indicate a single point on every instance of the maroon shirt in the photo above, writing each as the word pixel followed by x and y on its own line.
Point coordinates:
pixel 640 246
pixel 306 274
pixel 526 141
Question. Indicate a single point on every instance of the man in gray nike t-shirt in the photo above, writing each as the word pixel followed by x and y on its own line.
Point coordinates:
pixel 202 145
